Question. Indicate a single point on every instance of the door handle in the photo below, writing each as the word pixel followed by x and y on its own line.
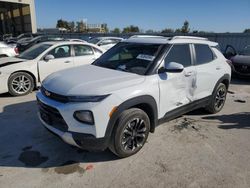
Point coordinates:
pixel 67 61
pixel 218 68
pixel 189 74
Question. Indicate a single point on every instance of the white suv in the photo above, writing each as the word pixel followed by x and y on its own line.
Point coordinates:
pixel 116 101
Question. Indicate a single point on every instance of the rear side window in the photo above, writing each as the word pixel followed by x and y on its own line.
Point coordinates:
pixel 179 53
pixel 82 50
pixel 203 54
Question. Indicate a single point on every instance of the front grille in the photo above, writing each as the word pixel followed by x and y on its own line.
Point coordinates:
pixel 52 116
pixel 54 96
pixel 242 68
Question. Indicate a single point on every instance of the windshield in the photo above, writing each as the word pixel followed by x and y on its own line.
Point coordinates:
pixel 34 51
pixel 246 51
pixel 94 40
pixel 130 57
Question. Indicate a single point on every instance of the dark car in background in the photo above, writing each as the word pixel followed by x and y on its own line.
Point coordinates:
pixel 240 62
pixel 23 45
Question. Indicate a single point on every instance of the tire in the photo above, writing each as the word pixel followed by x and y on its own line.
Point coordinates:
pixel 218 99
pixel 20 83
pixel 130 133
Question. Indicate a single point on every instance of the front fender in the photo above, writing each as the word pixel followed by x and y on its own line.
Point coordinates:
pixel 147 100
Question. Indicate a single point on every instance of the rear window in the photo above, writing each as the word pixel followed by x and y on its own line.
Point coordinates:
pixel 203 54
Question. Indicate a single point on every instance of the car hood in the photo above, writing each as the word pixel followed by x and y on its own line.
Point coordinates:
pixel 90 80
pixel 5 61
pixel 241 59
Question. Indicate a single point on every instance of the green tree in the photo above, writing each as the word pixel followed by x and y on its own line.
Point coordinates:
pixel 167 30
pixel 63 24
pixel 177 31
pixel 131 29
pixel 185 28
pixel 72 26
pixel 246 31
pixel 116 30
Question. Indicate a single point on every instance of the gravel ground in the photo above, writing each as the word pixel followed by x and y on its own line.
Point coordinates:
pixel 195 150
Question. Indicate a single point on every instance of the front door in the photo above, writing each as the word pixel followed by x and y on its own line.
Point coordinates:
pixel 177 89
pixel 62 60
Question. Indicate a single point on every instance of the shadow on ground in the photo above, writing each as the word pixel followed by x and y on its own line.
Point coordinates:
pixel 26 143
pixel 232 121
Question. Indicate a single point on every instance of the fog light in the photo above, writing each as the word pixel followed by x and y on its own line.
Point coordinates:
pixel 84 116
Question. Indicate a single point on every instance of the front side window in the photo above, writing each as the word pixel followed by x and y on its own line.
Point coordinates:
pixel 34 51
pixel 203 54
pixel 130 57
pixel 81 50
pixel 179 53
pixel 60 51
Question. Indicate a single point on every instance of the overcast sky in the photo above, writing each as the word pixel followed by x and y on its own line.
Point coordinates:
pixel 205 15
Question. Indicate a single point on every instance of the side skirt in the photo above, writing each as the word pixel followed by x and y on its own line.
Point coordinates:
pixel 201 103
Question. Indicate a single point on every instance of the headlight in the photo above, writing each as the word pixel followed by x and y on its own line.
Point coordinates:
pixel 87 98
pixel 84 116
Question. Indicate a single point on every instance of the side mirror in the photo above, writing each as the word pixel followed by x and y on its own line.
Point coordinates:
pixel 172 67
pixel 49 57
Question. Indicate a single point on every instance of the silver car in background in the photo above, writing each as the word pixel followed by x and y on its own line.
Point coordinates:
pixel 105 42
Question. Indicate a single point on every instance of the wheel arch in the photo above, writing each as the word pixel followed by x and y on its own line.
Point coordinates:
pixel 225 79
pixel 28 72
pixel 146 103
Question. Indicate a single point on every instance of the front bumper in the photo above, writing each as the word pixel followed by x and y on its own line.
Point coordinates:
pixel 73 132
pixel 80 140
pixel 4 82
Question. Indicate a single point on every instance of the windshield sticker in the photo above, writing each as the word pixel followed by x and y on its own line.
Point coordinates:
pixel 146 57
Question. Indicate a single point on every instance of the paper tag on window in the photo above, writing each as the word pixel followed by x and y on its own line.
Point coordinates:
pixel 146 57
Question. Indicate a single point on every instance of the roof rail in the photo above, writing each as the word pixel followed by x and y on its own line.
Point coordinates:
pixel 148 36
pixel 189 37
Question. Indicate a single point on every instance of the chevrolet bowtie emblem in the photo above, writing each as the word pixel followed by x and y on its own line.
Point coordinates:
pixel 47 93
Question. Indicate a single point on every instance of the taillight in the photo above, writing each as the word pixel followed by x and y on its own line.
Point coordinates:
pixel 16 50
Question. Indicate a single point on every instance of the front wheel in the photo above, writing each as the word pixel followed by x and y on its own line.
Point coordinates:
pixel 20 83
pixel 130 133
pixel 218 99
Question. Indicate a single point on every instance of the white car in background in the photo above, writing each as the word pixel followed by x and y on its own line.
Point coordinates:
pixel 105 42
pixel 7 50
pixel 20 75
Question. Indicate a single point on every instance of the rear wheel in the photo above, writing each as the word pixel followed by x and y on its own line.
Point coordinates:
pixel 218 99
pixel 130 133
pixel 20 83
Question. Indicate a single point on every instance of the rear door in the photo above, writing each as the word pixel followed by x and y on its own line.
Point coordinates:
pixel 84 54
pixel 63 60
pixel 209 70
pixel 177 89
